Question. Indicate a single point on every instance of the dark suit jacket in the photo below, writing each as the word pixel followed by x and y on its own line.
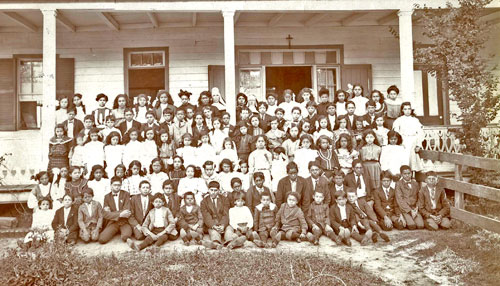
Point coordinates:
pixel 383 206
pixel 232 130
pixel 159 112
pixel 369 120
pixel 265 123
pixel 174 204
pixel 285 187
pixel 350 181
pixel 321 186
pixel 137 210
pixel 77 127
pixel 123 127
pixel 364 211
pixel 425 204
pixel 253 197
pixel 336 219
pixel 197 133
pixel 215 215
pixel 113 215
pixel 407 195
pixel 70 224
pixel 351 125
pixel 333 190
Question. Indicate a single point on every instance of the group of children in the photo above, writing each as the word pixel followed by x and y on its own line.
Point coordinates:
pixel 294 170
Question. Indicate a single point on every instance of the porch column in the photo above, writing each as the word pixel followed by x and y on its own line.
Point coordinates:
pixel 406 55
pixel 49 83
pixel 229 63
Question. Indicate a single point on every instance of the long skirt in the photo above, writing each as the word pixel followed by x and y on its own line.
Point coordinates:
pixel 373 169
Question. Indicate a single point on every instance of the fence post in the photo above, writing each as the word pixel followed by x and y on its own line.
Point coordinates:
pixel 459 196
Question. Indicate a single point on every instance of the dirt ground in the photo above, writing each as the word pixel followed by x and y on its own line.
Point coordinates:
pixel 398 262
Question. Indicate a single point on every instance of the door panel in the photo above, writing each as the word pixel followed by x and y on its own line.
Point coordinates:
pixel 8 98
pixel 352 74
pixel 429 93
pixel 294 78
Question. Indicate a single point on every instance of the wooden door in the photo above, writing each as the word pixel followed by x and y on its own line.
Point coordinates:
pixel 428 97
pixel 65 78
pixel 8 97
pixel 354 74
pixel 216 78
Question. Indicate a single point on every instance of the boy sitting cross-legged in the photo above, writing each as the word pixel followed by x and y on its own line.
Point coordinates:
pixel 240 219
pixel 190 220
pixel 264 216
pixel 433 205
pixel 290 222
pixel 318 219
pixel 343 220
pixel 385 204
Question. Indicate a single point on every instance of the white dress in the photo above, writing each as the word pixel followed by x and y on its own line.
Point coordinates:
pixel 230 154
pixel 80 115
pixel 260 161
pixel 205 152
pixel 94 154
pixel 188 154
pixel 42 220
pixel 195 185
pixel 57 192
pixel 77 159
pixel 149 151
pixel 360 102
pixel 392 157
pixel 61 115
pixel 340 108
pixel 131 152
pixel 140 114
pixel 100 188
pixel 302 158
pixel 287 107
pixel 156 180
pixel 32 199
pixel 278 172
pixel 217 138
pixel 225 181
pixel 113 155
pixel 131 184
pixel 411 130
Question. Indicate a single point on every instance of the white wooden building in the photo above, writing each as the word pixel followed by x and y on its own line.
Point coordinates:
pixel 67 47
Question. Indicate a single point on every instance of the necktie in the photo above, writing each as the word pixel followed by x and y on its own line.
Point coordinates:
pixel 115 195
pixel 386 191
pixel 358 182
pixel 215 204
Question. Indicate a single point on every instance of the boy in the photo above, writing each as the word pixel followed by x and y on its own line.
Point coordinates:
pixel 280 113
pixel 315 183
pixel 215 211
pixel 254 193
pixel 172 200
pixel 407 199
pixel 274 135
pixel 190 220
pixel 110 127
pixel 240 221
pixel 263 116
pixel 324 96
pixel 369 117
pixel 88 123
pixel 128 124
pixel 99 115
pixel 318 219
pixel 243 141
pixel 366 217
pixel 271 103
pixel 140 205
pixel 72 126
pixel 158 226
pixel 351 117
pixel 385 204
pixel 360 181
pixel 344 221
pixel 433 205
pixel 179 127
pixel 189 111
pixel 226 127
pixel 150 123
pixel 65 222
pixel 290 221
pixel 331 111
pixel 90 217
pixel 264 218
pixel 291 183
pixel 245 114
pixel 209 172
pixel 311 114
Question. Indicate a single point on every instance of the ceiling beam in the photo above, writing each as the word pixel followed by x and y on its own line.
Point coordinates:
pixel 21 21
pixel 493 21
pixel 388 18
pixel 275 19
pixel 314 19
pixel 487 12
pixel 153 19
pixel 109 20
pixel 65 22
pixel 193 19
pixel 353 17
pixel 236 17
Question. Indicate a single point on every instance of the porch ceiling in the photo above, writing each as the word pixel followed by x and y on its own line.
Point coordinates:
pixel 95 20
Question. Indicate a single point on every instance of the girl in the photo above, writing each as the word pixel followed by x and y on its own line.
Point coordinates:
pixel 243 175
pixel 198 126
pixel 327 158
pixel 305 128
pixel 205 100
pixel 94 150
pixel 41 227
pixel 75 184
pixel 205 150
pixel 77 153
pixel 393 156
pixel 57 191
pixel 380 106
pixel 411 131
pixel 305 154
pixel 80 108
pixel 40 191
pixel 99 183
pixel 135 175
pixel 59 147
pixel 393 103
pixel 260 160
pixel 305 96
pixel 278 167
pixel 359 99
pixel 120 103
pixel 65 221
pixel 62 110
pixel 323 129
pixel 228 152
pixel 192 183
pixel 380 130
pixel 358 131
pixel 343 129
pixel 370 155
pixel 345 152
pixel 149 149
pixel 226 174
pixel 241 102
pixel 187 151
pixel 217 135
pixel 341 102
pixel 255 130
pixel 271 103
pixel 141 108
pixel 190 220
pixel 164 102
pixel 240 220
pixel 101 112
pixel 133 148
pixel 166 149
pixel 113 152
pixel 176 171
pixel 157 175
pixel 120 171
pixel 274 135
pixel 291 144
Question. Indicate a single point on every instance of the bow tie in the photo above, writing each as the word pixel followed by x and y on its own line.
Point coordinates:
pixel 115 195
pixel 70 121
pixel 266 208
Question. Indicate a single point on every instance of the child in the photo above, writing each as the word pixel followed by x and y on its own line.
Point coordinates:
pixel 167 119
pixel 385 204
pixel 288 104
pixel 381 131
pixel 140 205
pixel 227 128
pixel 351 107
pixel 274 135
pixel 135 175
pixel 280 114
pixel 240 218
pixel 215 212
pixel 149 150
pixel 338 185
pixel 255 192
pixel 359 99
pixel 255 130
pixel 59 147
pixel 370 116
pixel 304 155
pixel 318 219
pixel 323 129
pixel 305 128
pixel 205 150
pixel 120 104
pixel 141 108
pixel 166 148
pixel 90 217
pixel 311 112
pixel 344 221
pixel 295 119
pixel 40 191
pixel 393 156
pixel 361 181
pixel 113 152
pixel 407 200
pixel 94 150
pixel 101 112
pixel 207 113
pixel 260 159
pixel 243 141
pixel 72 126
pixel 79 106
pixel 345 153
pixel 393 105
pixel 291 144
pixel 331 111
pixel 290 222
pixel 99 183
pixel 172 200
pixel 305 97
pixel 358 132
pixel 198 127
pixel 380 106
pixel 271 103
pixel 263 116
pixel 65 222
pixel 244 175
pixel 241 103
pixel 179 127
pixel 342 129
pixel 185 96
pixel 229 152
pixel 176 171
pixel 340 102
pixel 77 153
pixel 190 220
pixel 433 205
pixel 116 211
pixel 226 173
pixel 57 190
pixel 157 175
pixel 159 226
pixel 370 154
pixel 41 228
pixel 120 171
pixel 327 158
pixel 110 127
pixel 245 115
pixel 192 183
pixel 75 184
pixel 163 103
pixel 278 167
pixel 217 136
pixel 324 97
pixel 62 111
pixel 187 151
pixel 209 173
pixel 128 125
pixel 133 148
pixel 150 124
pixel 264 218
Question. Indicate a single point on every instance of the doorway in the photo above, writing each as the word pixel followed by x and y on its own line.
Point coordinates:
pixel 292 77
pixel 145 81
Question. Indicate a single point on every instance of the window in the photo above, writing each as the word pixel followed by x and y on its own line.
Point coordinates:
pixel 147 59
pixel 251 83
pixel 327 77
pixel 30 89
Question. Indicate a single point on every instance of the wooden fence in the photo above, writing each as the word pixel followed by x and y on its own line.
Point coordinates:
pixel 460 187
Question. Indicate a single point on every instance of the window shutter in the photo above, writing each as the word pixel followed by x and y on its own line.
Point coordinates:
pixel 216 78
pixel 65 77
pixel 8 100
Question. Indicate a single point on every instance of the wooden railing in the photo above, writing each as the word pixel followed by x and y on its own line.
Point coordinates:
pixel 460 187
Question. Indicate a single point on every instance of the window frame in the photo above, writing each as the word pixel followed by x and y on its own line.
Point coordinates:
pixel 127 67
